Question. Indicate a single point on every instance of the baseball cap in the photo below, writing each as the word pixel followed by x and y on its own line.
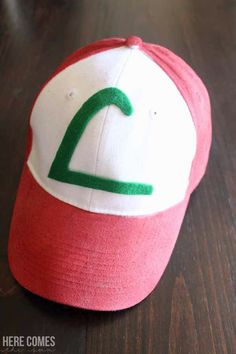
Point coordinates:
pixel 119 138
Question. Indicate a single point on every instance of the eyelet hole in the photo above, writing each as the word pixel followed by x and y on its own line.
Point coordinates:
pixel 153 114
pixel 71 94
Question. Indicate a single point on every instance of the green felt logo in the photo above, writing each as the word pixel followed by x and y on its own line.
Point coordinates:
pixel 59 169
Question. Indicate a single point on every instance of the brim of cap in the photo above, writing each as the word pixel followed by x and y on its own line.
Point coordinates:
pixel 84 259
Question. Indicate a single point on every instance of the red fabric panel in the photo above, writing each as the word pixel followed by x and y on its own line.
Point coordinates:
pixel 84 259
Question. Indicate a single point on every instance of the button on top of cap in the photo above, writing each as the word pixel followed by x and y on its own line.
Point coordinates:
pixel 134 42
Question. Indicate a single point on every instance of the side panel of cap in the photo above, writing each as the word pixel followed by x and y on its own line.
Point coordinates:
pixel 155 145
pixel 79 54
pixel 55 108
pixel 195 93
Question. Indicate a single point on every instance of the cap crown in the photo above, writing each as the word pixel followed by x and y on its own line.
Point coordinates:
pixel 150 142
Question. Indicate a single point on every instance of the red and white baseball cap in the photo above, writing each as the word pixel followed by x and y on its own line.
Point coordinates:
pixel 120 138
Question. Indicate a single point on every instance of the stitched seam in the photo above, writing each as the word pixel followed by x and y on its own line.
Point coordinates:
pixel 104 123
pixel 161 64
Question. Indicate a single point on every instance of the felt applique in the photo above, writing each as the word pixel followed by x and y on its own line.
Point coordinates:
pixel 59 169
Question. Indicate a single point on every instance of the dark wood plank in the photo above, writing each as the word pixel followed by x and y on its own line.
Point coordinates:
pixel 193 310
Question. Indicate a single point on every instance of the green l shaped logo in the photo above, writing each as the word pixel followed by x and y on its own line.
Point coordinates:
pixel 60 167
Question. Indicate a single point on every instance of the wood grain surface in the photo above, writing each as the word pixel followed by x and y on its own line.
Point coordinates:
pixel 193 309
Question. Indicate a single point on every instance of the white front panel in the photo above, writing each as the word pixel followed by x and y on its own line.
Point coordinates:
pixel 155 145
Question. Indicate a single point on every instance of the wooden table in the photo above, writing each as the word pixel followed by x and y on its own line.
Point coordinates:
pixel 193 309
